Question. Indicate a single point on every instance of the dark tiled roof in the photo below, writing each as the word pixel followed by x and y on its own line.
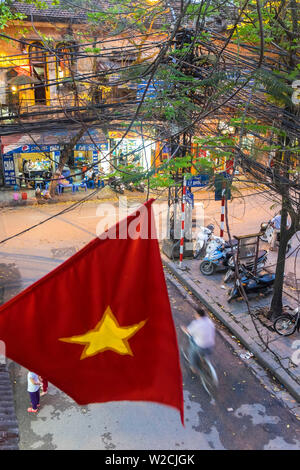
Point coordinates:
pixel 78 16
pixel 9 430
pixel 50 13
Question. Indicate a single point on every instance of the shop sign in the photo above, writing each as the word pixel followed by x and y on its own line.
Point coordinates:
pixel 88 147
pixel 38 148
pixel 120 135
pixel 95 161
pixel 9 170
pixel 34 149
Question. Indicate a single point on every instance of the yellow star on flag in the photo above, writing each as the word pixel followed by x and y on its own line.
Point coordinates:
pixel 107 335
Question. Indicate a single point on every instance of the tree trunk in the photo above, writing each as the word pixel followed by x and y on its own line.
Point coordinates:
pixel 276 304
pixel 64 157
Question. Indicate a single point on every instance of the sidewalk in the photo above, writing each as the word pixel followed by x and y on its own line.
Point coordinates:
pixel 7 195
pixel 213 294
pixel 106 193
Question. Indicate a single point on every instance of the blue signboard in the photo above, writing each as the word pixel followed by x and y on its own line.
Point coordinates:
pixel 198 181
pixel 9 170
pixel 152 90
pixel 190 198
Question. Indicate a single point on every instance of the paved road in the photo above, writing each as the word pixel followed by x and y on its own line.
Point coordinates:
pixel 244 416
pixel 70 231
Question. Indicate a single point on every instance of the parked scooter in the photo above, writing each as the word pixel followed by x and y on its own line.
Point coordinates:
pixel 204 236
pixel 217 259
pixel 252 284
pixel 214 244
pixel 129 185
pixel 249 265
pixel 140 187
pixel 267 236
pixel 116 184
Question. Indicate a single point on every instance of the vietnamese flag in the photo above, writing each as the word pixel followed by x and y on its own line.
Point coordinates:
pixel 99 326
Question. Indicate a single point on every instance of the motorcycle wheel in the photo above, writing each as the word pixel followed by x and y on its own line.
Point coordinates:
pixel 228 276
pixel 285 325
pixel 207 268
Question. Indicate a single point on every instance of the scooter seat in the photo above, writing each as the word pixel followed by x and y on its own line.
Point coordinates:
pixel 266 278
pixel 227 244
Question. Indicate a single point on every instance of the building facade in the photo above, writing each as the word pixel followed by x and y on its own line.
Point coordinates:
pixel 59 74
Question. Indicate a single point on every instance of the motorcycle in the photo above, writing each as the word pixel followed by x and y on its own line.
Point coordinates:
pixel 249 265
pixel 268 230
pixel 217 259
pixel 204 237
pixel 252 284
pixel 287 324
pixel 140 187
pixel 116 184
pixel 129 185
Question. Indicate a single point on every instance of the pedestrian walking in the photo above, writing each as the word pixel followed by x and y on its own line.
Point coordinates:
pixel 33 388
pixel 276 224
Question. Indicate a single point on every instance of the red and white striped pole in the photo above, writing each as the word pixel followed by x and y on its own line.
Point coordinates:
pixel 222 226
pixel 182 222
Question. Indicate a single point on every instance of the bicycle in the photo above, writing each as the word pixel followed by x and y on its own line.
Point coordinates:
pixel 287 324
pixel 205 370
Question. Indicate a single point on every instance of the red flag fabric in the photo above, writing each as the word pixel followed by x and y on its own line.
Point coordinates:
pixel 99 326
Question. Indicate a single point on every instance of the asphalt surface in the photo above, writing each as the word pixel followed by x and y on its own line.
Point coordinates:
pixel 244 416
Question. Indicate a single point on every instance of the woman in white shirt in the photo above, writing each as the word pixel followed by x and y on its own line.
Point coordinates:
pixel 33 388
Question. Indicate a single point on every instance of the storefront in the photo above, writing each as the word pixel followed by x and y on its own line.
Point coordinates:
pixel 86 155
pixel 30 164
pixel 131 150
pixel 102 155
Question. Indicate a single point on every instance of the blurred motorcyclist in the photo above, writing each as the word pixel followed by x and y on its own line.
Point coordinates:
pixel 201 337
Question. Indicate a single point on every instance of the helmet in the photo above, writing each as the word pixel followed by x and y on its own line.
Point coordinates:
pixel 211 227
pixel 263 227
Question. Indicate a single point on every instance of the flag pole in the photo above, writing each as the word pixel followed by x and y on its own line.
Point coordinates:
pixel 182 222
